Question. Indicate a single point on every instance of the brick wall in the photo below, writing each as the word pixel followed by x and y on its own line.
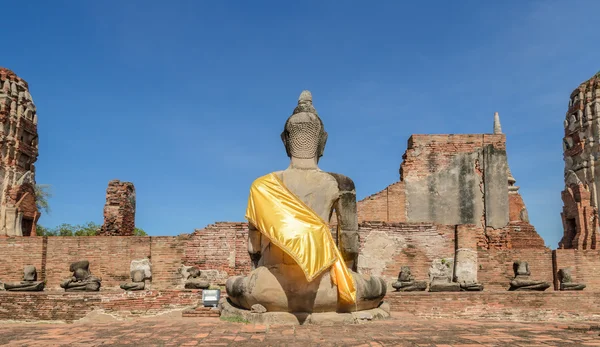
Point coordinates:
pixel 73 306
pixel 496 266
pixel 119 210
pixel 417 159
pixel 585 265
pixel 222 248
pixel 167 254
pixel 109 257
pixel 387 205
pixel 15 253
pixel 515 306
pixel 385 247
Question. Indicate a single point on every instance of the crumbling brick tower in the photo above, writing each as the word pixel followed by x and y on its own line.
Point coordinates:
pixel 581 151
pixel 18 153
pixel 119 211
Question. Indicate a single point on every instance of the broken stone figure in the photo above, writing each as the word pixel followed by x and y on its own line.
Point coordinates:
pixel 406 282
pixel 566 280
pixel 82 280
pixel 440 276
pixel 29 283
pixel 140 271
pixel 465 259
pixel 194 281
pixel 522 281
pixel 285 277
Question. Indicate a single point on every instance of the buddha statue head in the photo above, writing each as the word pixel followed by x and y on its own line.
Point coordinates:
pixel 304 136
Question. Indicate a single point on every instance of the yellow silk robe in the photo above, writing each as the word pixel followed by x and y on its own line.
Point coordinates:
pixel 295 228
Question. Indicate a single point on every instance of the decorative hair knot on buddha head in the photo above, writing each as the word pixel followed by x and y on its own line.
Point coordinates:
pixel 304 136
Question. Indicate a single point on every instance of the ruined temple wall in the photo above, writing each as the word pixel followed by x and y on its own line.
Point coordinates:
pixel 222 246
pixel 222 249
pixel 457 180
pixel 386 247
pixel 388 205
pixel 109 257
pixel 445 181
pixel 496 266
pixel 582 169
pixel 18 153
pixel 585 265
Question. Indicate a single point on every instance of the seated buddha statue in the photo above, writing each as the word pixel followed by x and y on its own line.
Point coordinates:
pixel 522 280
pixel 82 280
pixel 285 278
pixel 29 283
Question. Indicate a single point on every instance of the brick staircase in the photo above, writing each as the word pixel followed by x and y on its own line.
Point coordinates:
pixel 201 311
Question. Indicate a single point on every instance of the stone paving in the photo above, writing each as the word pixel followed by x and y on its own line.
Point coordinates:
pixel 398 331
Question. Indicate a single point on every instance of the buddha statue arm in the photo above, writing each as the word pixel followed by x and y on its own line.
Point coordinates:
pixel 345 209
pixel 254 244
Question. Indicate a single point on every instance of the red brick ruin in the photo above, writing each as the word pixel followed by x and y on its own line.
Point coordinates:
pixel 19 151
pixel 119 211
pixel 453 191
pixel 580 145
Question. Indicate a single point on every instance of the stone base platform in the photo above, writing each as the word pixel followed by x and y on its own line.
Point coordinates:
pixel 228 311
pixel 513 306
pixel 503 306
pixel 72 306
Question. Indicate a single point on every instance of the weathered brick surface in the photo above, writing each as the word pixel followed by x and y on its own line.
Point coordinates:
pixel 519 306
pixel 73 306
pixel 428 154
pixel 422 149
pixel 221 246
pixel 585 265
pixel 385 247
pixel 167 257
pixel 18 153
pixel 388 205
pixel 580 147
pixel 16 252
pixel 119 210
pixel 201 311
pixel 496 266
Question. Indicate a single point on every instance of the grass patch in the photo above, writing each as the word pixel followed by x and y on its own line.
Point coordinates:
pixel 234 319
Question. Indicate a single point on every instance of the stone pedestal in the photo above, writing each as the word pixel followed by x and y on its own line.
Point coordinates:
pixel 229 311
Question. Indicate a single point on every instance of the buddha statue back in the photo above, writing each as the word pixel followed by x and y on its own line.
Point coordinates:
pixel 277 282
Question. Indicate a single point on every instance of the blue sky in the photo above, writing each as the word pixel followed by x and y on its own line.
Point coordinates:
pixel 187 98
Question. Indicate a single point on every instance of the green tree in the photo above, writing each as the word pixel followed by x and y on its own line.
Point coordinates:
pixel 87 229
pixel 42 193
pixel 139 232
pixel 42 231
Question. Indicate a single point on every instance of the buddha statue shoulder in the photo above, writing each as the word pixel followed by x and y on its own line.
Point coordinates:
pixel 277 282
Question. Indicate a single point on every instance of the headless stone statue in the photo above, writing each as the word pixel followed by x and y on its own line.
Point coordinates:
pixel 29 283
pixel 82 280
pixel 406 282
pixel 194 281
pixel 522 280
pixel 277 282
pixel 140 271
pixel 566 280
pixel 440 276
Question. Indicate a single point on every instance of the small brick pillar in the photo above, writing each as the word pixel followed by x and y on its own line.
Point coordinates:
pixel 465 257
pixel 119 211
